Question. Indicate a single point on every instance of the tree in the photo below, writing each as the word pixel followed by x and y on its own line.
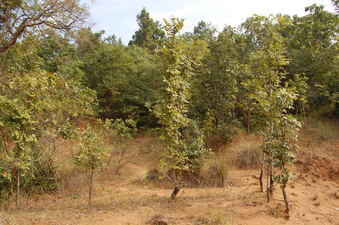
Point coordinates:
pixel 149 33
pixel 274 98
pixel 204 31
pixel 36 106
pixel 123 132
pixel 183 140
pixel 90 155
pixel 109 69
pixel 19 16
pixel 312 46
pixel 16 127
pixel 219 83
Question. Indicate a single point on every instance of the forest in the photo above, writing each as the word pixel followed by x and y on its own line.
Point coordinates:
pixel 170 122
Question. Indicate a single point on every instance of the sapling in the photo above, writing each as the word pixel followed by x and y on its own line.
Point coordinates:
pixel 284 153
pixel 123 131
pixel 91 152
pixel 182 137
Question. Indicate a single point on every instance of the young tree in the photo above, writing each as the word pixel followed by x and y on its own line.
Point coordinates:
pixel 35 105
pixel 123 131
pixel 275 100
pixel 90 156
pixel 183 140
pixel 19 138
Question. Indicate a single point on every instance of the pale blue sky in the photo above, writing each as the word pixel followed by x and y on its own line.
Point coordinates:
pixel 119 16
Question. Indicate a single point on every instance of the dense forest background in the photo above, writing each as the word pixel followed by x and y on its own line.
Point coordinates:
pixel 262 77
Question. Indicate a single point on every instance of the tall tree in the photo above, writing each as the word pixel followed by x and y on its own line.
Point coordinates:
pixel 149 33
pixel 219 83
pixel 274 98
pixel 109 69
pixel 183 139
pixel 313 48
pixel 204 31
pixel 19 16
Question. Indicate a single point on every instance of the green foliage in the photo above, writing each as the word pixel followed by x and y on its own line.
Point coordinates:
pixel 35 106
pixel 149 34
pixel 91 151
pixel 121 133
pixel 274 99
pixel 202 31
pixel 218 84
pixel 183 138
pixel 122 128
pixel 312 44
pixel 111 68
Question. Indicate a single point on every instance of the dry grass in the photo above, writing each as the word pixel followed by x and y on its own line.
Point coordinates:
pixel 247 152
pixel 129 199
pixel 215 172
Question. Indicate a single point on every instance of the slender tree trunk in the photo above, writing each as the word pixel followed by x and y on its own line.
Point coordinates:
pixel 287 204
pixel 271 181
pixel 248 123
pixel 90 188
pixel 177 179
pixel 261 177
pixel 175 192
pixel 17 189
pixel 268 184
pixel 109 159
pixel 120 163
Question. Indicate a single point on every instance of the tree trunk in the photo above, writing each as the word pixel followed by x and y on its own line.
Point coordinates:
pixel 175 192
pixel 17 190
pixel 90 188
pixel 268 184
pixel 271 181
pixel 287 204
pixel 261 177
pixel 248 123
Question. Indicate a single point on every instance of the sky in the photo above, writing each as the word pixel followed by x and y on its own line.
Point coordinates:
pixel 118 17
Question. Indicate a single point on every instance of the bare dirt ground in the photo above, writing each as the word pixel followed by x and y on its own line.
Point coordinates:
pixel 129 200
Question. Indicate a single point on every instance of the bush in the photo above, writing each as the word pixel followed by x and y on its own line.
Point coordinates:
pixel 215 172
pixel 42 177
pixel 248 158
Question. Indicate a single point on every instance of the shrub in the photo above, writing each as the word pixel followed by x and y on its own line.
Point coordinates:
pixel 248 158
pixel 215 172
